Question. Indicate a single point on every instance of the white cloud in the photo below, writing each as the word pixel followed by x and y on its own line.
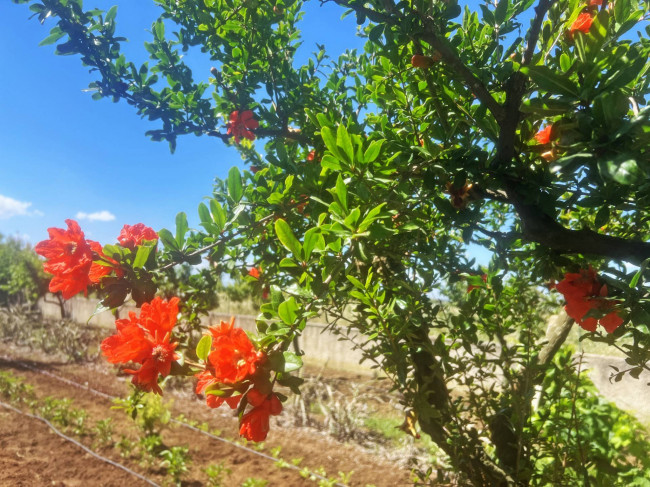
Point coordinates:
pixel 98 216
pixel 10 207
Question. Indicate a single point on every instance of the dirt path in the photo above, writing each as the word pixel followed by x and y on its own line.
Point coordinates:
pixel 70 466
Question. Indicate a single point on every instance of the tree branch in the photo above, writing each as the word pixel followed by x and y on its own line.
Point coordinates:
pixel 541 228
pixel 458 67
pixel 533 33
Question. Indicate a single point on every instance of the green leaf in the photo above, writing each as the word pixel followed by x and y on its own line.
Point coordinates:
pixel 565 62
pixel 601 217
pixel 287 311
pixel 142 256
pixel 181 228
pixel 55 35
pixel 342 193
pixel 218 214
pixel 235 188
pixel 204 346
pixel 286 236
pixel 501 11
pixel 373 150
pixel 110 15
pixel 204 213
pixel 639 273
pixel 330 142
pixel 168 239
pixel 311 238
pixel 371 217
pixel 356 282
pixel 550 81
pixel 330 162
pixel 345 143
pixel 620 169
pixel 291 362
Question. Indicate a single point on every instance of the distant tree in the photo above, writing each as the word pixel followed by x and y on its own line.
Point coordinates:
pixel 22 280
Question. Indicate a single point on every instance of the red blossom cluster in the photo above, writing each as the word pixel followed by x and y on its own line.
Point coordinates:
pixel 146 340
pixel 133 235
pixel 69 258
pixel 234 373
pixel 583 292
pixel 585 19
pixel 241 125
pixel 74 261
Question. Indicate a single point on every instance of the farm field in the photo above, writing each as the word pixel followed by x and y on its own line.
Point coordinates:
pixel 31 454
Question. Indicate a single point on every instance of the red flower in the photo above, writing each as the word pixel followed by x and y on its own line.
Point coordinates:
pixel 596 3
pixel 583 292
pixel 145 340
pixel 254 425
pixel 240 125
pixel 582 24
pixel 133 235
pixel 98 271
pixel 544 135
pixel 471 287
pixel 311 157
pixel 69 258
pixel 233 358
pixel 254 272
pixel 579 285
pixel 206 379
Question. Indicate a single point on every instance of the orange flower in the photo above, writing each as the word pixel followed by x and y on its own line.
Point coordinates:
pixel 544 136
pixel 98 271
pixel 254 425
pixel 583 292
pixel 133 235
pixel 145 340
pixel 582 24
pixel 596 3
pixel 69 258
pixel 240 125
pixel 311 157
pixel 233 358
pixel 255 272
pixel 206 379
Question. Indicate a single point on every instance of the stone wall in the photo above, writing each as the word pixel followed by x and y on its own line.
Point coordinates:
pixel 321 347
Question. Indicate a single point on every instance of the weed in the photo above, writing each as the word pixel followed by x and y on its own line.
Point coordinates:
pixel 103 430
pixel 215 473
pixel 61 412
pixel 175 461
pixel 254 482
pixel 125 445
pixel 15 389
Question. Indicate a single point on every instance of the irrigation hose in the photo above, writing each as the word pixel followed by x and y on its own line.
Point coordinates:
pixel 182 423
pixel 83 447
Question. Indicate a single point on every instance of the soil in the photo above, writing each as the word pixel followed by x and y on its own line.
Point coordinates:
pixel 31 454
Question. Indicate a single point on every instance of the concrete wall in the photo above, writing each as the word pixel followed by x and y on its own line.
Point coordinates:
pixel 321 347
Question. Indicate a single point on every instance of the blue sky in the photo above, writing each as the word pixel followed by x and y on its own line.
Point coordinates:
pixel 63 155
